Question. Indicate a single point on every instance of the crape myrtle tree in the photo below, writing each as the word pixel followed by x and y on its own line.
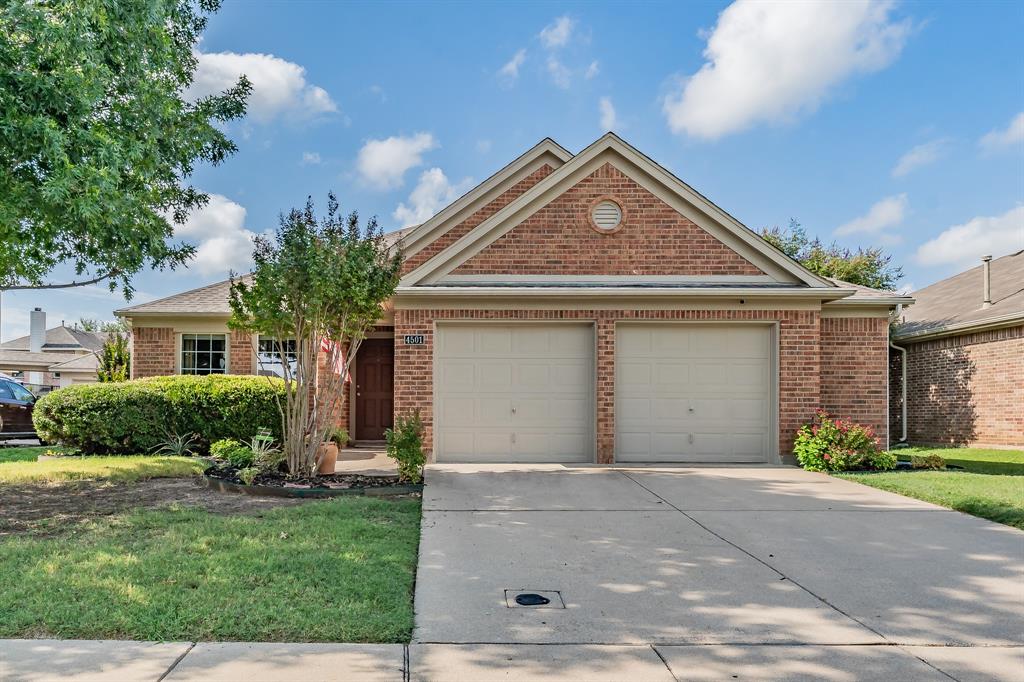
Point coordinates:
pixel 869 267
pixel 317 288
pixel 97 137
pixel 115 358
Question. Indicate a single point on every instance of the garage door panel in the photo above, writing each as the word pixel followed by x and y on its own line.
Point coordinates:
pixel 533 376
pixel 633 374
pixel 632 445
pixel 693 392
pixel 457 375
pixel 631 410
pixel 493 341
pixel 457 411
pixel 496 376
pixel 670 342
pixel 571 376
pixel 666 443
pixel 530 399
pixel 671 374
pixel 707 374
pixel 671 409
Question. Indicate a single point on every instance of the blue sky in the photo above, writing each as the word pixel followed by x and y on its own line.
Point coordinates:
pixel 897 124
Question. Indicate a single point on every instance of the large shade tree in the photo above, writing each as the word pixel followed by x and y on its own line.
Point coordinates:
pixel 315 291
pixel 869 267
pixel 97 140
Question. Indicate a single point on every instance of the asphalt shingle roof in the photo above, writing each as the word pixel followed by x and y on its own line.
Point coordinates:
pixel 61 339
pixel 957 300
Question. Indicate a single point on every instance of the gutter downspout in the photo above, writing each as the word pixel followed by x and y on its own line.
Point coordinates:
pixel 902 442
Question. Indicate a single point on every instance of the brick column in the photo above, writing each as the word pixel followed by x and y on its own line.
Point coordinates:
pixel 604 399
pixel 241 355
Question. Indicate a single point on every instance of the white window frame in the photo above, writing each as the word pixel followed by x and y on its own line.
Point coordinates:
pixel 259 338
pixel 180 352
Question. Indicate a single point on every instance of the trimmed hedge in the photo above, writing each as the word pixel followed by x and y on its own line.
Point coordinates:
pixel 134 417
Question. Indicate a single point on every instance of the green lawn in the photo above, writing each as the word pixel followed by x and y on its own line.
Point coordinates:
pixel 991 485
pixel 335 571
pixel 21 454
pixel 974 459
pixel 114 469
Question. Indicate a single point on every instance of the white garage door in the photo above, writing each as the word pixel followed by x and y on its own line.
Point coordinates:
pixel 693 393
pixel 514 393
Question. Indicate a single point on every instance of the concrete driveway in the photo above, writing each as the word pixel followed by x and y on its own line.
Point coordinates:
pixel 719 569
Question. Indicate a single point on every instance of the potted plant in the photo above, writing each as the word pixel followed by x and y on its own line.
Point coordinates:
pixel 328 456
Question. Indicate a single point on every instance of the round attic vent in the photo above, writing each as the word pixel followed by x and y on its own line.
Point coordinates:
pixel 606 215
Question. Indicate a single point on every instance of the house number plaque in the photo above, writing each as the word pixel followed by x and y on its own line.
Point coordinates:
pixel 414 340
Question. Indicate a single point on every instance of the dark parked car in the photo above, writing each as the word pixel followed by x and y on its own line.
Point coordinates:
pixel 16 403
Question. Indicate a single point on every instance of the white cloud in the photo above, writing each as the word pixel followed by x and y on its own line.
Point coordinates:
pixel 279 87
pixel 432 193
pixel 510 71
pixel 379 92
pixel 559 72
pixel 609 121
pixel 382 164
pixel 557 33
pixel 770 60
pixel 886 213
pixel 222 241
pixel 219 215
pixel 921 155
pixel 310 158
pixel 483 146
pixel 592 70
pixel 1001 139
pixel 963 245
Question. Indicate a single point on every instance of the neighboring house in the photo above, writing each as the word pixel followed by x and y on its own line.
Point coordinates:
pixel 588 308
pixel 964 341
pixel 51 358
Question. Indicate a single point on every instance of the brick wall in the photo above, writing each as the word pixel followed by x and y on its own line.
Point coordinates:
pixel 653 239
pixel 854 357
pixel 153 351
pixel 448 238
pixel 799 371
pixel 241 353
pixel 967 390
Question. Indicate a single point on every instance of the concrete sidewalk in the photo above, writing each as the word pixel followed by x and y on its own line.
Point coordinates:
pixel 88 661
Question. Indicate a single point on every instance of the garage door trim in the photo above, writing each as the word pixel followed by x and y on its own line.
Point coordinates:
pixel 591 327
pixel 773 369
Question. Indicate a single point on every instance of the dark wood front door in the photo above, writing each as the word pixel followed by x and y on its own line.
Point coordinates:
pixel 375 388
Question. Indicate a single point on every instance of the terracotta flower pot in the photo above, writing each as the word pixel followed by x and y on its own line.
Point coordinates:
pixel 328 457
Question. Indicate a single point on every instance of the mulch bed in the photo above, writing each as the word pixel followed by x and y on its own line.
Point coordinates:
pixel 55 508
pixel 280 480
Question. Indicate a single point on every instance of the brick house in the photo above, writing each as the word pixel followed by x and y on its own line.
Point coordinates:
pixel 589 308
pixel 964 343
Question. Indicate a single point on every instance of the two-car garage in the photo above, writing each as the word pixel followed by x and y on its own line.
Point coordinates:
pixel 525 392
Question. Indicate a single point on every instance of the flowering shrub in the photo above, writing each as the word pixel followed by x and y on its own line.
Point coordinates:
pixel 837 445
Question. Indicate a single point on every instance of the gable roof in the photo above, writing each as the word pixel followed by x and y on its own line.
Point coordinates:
pixel 547 151
pixel 955 304
pixel 61 339
pixel 89 362
pixel 646 172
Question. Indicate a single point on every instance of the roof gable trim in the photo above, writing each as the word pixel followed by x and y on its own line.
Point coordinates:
pixel 546 152
pixel 644 171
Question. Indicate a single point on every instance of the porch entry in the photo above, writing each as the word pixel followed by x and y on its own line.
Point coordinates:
pixel 374 388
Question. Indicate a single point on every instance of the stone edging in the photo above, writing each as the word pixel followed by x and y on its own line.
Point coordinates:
pixel 275 491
